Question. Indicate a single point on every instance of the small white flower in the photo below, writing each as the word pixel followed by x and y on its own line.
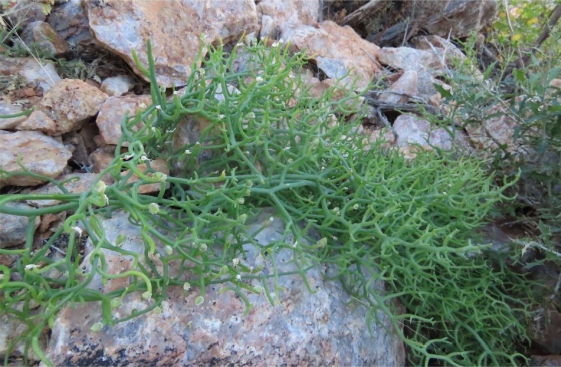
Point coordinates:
pixel 203 247
pixel 295 244
pixel 153 129
pixel 153 208
pixel 158 107
pixel 238 277
pixel 276 44
pixel 31 266
pixel 187 151
pixel 99 187
pixel 142 105
pixel 145 158
pixel 186 286
pixel 239 44
pixel 78 231
pixel 175 92
pixel 235 262
pixel 128 156
pixel 259 79
pixel 220 117
pixel 355 207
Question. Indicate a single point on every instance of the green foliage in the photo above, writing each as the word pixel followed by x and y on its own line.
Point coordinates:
pixel 379 216
pixel 530 100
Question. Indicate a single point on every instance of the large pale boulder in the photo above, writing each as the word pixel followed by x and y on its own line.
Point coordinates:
pixel 38 153
pixel 338 51
pixel 304 328
pixel 173 27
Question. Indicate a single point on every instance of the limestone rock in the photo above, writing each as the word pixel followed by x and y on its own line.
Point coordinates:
pixel 13 228
pixel 112 113
pixel 444 50
pixel 45 38
pixel 101 157
pixel 43 74
pixel 11 326
pixel 117 85
pixel 39 121
pixel 403 89
pixel 7 108
pixel 303 329
pixel 407 58
pixel 158 165
pixel 276 15
pixel 39 153
pixel 25 12
pixel 70 21
pixel 174 28
pixel 337 51
pixel 80 182
pixel 70 103
pixel 412 130
pixel 498 131
pixel 458 18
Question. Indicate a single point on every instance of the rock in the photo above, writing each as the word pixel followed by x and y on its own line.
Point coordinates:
pixel 38 153
pixel 13 228
pixel 337 51
pixel 385 135
pixel 112 113
pixel 39 121
pixel 70 103
pixel 11 326
pixel 407 58
pixel 302 329
pixel 162 22
pixel 101 157
pixel 70 21
pixel 43 74
pixel 158 165
pixel 444 50
pixel 396 24
pixel 117 86
pixel 45 38
pixel 403 89
pixel 546 361
pixel 497 132
pixel 25 12
pixel 7 108
pixel 187 132
pixel 276 15
pixel 458 18
pixel 80 182
pixel 412 130
pixel 546 333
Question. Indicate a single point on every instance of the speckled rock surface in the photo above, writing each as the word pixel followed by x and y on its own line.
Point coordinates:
pixel 276 15
pixel 337 51
pixel 302 329
pixel 38 153
pixel 113 111
pixel 123 26
pixel 13 228
pixel 70 103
